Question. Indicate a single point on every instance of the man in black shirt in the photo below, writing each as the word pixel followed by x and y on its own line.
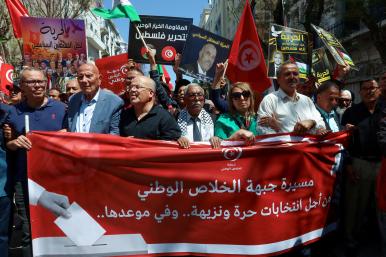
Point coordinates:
pixel 145 119
pixel 363 163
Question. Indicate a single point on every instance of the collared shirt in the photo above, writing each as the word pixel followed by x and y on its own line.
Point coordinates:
pixel 156 124
pixel 204 124
pixel 290 110
pixel 50 117
pixel 329 119
pixel 85 114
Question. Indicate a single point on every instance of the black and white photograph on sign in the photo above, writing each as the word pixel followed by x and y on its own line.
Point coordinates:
pixel 203 50
pixel 287 44
pixel 164 35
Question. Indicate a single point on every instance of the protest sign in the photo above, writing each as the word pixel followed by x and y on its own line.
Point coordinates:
pixel 256 200
pixel 113 72
pixel 203 50
pixel 287 44
pixel 166 35
pixel 320 65
pixel 57 46
pixel 333 45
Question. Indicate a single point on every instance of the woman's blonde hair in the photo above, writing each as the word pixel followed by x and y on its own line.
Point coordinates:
pixel 244 87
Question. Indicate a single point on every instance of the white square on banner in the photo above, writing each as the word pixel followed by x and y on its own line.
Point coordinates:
pixel 81 228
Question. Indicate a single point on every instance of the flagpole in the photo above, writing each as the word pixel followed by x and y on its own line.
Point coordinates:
pixel 140 35
pixel 225 68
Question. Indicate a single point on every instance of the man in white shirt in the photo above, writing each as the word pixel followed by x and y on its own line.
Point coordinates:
pixel 286 110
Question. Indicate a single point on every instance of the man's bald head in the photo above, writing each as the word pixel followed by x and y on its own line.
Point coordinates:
pixel 142 91
pixel 89 79
pixel 147 82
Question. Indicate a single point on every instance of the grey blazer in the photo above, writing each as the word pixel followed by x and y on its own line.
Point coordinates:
pixel 105 119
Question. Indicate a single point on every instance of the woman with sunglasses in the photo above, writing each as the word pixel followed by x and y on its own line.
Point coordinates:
pixel 240 122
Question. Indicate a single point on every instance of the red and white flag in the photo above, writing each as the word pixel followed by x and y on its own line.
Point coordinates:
pixel 246 60
pixel 16 11
pixel 6 74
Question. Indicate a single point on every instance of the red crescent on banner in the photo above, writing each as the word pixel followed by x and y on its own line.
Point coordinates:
pixel 232 154
pixel 124 69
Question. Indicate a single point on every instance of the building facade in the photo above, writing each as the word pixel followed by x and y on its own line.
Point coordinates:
pixel 103 38
pixel 222 16
pixel 354 36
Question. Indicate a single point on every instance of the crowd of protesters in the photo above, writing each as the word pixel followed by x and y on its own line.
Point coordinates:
pixel 197 113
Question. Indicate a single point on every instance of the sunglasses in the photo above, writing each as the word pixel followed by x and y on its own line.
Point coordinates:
pixel 237 95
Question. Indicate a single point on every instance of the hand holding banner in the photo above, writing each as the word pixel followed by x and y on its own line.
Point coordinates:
pixel 234 200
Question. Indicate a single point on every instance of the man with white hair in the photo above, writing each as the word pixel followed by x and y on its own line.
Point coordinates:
pixel 195 123
pixel 345 101
pixel 93 110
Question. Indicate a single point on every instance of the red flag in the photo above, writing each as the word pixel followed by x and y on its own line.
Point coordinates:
pixel 167 77
pixel 16 10
pixel 6 73
pixel 246 60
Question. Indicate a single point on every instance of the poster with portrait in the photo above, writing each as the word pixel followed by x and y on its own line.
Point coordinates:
pixel 333 45
pixel 288 44
pixel 320 65
pixel 166 35
pixel 57 46
pixel 203 50
pixel 113 72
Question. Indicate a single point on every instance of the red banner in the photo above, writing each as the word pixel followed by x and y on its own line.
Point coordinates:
pixel 113 72
pixel 131 196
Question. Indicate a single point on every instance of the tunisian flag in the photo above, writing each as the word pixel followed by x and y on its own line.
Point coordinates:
pixel 6 73
pixel 246 60
pixel 16 10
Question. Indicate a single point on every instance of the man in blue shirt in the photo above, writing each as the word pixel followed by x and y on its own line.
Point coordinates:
pixel 327 97
pixel 44 114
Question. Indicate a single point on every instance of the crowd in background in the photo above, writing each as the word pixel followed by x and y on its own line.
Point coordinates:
pixel 194 112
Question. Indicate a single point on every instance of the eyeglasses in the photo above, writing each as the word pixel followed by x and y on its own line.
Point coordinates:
pixel 31 83
pixel 344 100
pixel 194 95
pixel 237 95
pixel 369 89
pixel 139 88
